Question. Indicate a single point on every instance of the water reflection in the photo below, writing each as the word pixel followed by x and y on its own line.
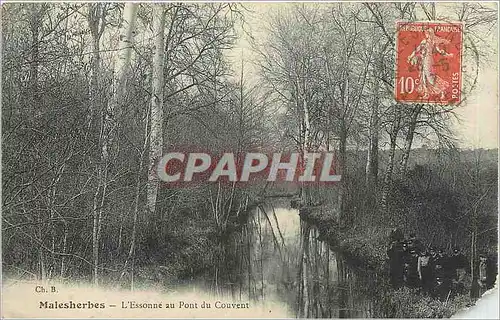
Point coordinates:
pixel 279 258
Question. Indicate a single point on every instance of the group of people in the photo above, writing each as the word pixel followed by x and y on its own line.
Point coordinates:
pixel 430 269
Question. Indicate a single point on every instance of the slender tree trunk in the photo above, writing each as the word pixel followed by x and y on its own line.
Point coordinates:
pixel 121 67
pixel 342 170
pixel 96 25
pixel 342 292
pixel 156 119
pixel 64 249
pixel 303 114
pixel 409 139
pixel 327 278
pixel 42 274
pixel 316 280
pixel 51 226
pixel 95 240
pixel 120 238
pixel 305 276
pixel 96 29
pixel 121 64
pixel 388 174
pixel 135 216
pixel 372 158
pixel 307 196
pixel 301 291
pixel 390 164
pixel 474 288
pixel 114 109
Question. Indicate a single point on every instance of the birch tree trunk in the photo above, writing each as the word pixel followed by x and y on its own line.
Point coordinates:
pixel 121 64
pixel 305 148
pixel 96 25
pixel 303 117
pixel 156 120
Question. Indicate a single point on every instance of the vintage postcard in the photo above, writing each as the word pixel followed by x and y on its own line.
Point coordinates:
pixel 218 159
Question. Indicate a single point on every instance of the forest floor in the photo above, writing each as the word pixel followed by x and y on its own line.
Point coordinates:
pixel 366 247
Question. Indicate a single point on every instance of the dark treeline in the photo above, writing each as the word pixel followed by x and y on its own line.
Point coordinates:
pixel 444 196
pixel 94 93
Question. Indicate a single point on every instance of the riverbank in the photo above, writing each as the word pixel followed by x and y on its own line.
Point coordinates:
pixel 365 247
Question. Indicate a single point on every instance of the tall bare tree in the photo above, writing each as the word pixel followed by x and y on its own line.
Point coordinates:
pixel 156 115
pixel 121 62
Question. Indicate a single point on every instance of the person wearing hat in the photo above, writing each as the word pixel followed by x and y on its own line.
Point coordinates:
pixel 432 260
pixel 444 261
pixel 396 235
pixel 437 264
pixel 407 261
pixel 441 255
pixel 395 254
pixel 432 251
pixel 441 289
pixel 414 243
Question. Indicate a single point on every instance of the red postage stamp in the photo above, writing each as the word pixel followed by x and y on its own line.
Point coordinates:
pixel 429 62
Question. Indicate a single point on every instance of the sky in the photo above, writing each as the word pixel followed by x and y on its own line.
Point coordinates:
pixel 478 117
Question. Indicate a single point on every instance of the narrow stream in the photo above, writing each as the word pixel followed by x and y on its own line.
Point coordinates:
pixel 279 258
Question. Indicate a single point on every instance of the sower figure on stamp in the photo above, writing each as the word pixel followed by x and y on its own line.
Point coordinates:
pixel 430 83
